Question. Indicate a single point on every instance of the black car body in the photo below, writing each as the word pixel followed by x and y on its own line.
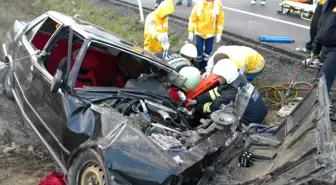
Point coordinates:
pixel 101 107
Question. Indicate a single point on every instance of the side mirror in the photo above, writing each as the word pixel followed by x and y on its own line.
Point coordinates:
pixel 57 81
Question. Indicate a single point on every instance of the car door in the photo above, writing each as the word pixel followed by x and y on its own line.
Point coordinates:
pixel 33 81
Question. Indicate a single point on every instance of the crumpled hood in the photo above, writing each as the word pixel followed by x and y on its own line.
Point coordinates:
pixel 165 8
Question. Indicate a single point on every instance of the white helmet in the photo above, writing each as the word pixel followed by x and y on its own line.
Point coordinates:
pixel 189 50
pixel 227 69
pixel 193 76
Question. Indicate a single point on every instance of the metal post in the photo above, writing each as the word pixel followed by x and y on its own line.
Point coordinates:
pixel 141 12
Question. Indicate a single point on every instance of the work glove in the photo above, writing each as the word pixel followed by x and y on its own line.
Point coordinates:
pixel 313 55
pixel 191 36
pixel 205 75
pixel 192 102
pixel 218 37
pixel 165 46
pixel 163 38
pixel 182 96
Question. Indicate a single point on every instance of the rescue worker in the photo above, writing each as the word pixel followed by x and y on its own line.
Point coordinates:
pixel 313 28
pixel 230 80
pixel 179 2
pixel 188 51
pixel 183 66
pixel 250 62
pixel 206 22
pixel 325 43
pixel 262 2
pixel 156 28
pixel 157 3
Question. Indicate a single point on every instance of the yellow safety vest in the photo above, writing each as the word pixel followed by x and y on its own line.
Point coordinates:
pixel 157 23
pixel 207 19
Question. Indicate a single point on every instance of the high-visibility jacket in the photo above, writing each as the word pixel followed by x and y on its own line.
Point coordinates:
pixel 206 19
pixel 247 59
pixel 176 60
pixel 210 101
pixel 156 25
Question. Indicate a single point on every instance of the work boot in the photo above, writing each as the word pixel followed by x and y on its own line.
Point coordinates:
pixel 304 49
pixel 253 2
pixel 262 2
pixel 189 5
pixel 178 3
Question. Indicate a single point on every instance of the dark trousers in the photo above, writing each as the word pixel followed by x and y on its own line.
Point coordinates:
pixel 328 58
pixel 313 26
pixel 158 1
pixel 204 49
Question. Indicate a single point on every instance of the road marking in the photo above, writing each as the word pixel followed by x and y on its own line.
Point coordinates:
pixel 265 17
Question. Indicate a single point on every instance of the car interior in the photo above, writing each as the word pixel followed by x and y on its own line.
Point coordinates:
pixel 102 64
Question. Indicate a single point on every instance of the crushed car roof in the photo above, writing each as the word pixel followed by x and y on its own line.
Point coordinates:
pixel 91 31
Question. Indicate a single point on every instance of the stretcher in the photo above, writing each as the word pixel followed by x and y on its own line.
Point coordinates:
pixel 306 10
pixel 210 82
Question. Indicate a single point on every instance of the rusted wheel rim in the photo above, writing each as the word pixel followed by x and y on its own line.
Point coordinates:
pixel 92 175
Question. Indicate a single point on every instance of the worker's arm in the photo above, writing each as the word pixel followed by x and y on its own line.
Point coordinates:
pixel 242 70
pixel 220 19
pixel 210 64
pixel 240 60
pixel 226 98
pixel 152 27
pixel 193 19
pixel 317 45
pixel 208 96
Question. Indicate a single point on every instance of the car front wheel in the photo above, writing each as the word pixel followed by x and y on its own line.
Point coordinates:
pixel 87 168
pixel 7 83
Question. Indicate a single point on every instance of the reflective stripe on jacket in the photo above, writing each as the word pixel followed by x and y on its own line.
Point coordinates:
pixel 214 98
pixel 244 57
pixel 255 112
pixel 206 19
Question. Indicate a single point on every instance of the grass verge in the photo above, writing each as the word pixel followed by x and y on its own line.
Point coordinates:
pixel 128 28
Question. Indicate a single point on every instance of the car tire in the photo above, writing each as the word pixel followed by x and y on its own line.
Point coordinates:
pixel 87 164
pixel 7 84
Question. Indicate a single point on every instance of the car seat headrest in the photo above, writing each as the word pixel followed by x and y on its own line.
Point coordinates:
pixel 89 61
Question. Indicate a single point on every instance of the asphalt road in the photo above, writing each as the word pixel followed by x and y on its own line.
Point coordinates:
pixel 252 21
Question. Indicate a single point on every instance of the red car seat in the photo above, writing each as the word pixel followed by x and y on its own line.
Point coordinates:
pixel 86 74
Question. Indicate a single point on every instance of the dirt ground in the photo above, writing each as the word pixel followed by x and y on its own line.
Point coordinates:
pixel 22 159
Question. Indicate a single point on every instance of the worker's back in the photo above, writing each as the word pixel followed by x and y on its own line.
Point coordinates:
pixel 243 55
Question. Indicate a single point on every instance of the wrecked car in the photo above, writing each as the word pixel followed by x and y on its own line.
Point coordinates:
pixel 103 109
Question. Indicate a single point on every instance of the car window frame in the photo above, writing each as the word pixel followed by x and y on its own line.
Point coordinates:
pixel 75 68
pixel 39 63
pixel 34 23
pixel 50 42
pixel 87 42
pixel 63 29
pixel 52 36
